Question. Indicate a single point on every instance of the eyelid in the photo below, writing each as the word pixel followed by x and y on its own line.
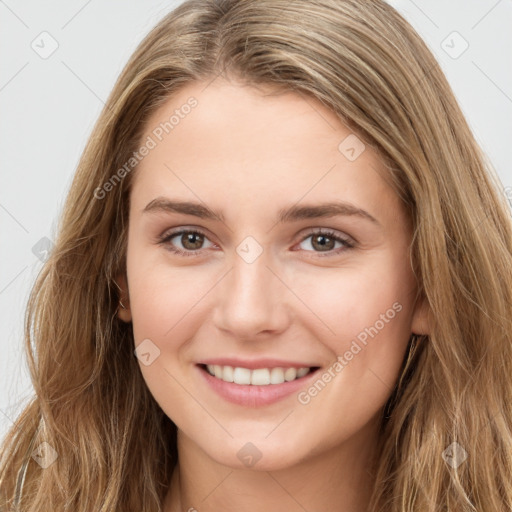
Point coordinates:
pixel 348 241
pixel 168 235
pixel 172 232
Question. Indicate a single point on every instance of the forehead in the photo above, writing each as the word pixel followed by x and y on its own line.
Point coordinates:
pixel 227 140
pixel 227 115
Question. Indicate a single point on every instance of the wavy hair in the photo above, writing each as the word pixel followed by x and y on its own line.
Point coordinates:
pixel 115 447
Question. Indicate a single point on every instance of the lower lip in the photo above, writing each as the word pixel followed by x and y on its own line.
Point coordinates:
pixel 254 396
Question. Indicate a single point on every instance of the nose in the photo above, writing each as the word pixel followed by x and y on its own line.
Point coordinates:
pixel 251 300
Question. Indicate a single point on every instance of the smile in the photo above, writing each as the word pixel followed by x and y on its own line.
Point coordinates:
pixel 255 387
pixel 258 376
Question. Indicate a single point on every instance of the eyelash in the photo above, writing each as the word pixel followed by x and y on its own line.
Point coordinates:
pixel 164 239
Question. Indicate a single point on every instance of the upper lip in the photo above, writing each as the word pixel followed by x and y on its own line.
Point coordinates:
pixel 255 363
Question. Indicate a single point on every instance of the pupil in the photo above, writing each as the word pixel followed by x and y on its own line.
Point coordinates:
pixel 189 238
pixel 325 244
pixel 321 241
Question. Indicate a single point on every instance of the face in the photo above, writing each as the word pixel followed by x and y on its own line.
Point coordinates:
pixel 264 235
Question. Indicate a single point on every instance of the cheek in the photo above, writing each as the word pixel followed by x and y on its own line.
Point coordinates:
pixel 166 306
pixel 370 316
pixel 342 307
pixel 357 304
pixel 366 324
pixel 164 299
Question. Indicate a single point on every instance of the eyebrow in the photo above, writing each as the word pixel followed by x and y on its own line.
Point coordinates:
pixel 293 213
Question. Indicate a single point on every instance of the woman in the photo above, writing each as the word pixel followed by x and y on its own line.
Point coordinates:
pixel 282 281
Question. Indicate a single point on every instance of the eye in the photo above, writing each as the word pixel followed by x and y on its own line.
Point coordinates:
pixel 191 241
pixel 325 241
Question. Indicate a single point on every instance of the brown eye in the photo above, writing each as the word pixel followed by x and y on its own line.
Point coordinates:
pixel 325 242
pixel 322 242
pixel 191 241
pixel 185 242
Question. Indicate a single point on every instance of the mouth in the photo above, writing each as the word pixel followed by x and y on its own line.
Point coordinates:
pixel 256 387
pixel 258 376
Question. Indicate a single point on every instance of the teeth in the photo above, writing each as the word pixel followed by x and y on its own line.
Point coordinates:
pixel 227 374
pixel 302 371
pixel 276 376
pixel 241 376
pixel 290 374
pixel 258 377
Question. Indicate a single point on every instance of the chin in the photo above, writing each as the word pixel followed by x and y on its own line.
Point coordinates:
pixel 262 455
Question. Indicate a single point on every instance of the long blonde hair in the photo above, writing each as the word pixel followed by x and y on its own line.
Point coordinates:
pixel 115 447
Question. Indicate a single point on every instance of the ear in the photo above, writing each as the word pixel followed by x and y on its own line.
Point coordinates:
pixel 123 313
pixel 421 323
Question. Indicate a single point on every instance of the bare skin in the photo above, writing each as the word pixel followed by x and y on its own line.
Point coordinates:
pixel 306 298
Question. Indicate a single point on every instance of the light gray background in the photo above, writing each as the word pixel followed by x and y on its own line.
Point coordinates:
pixel 49 106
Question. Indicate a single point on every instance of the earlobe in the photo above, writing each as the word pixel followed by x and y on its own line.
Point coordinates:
pixel 420 321
pixel 123 309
